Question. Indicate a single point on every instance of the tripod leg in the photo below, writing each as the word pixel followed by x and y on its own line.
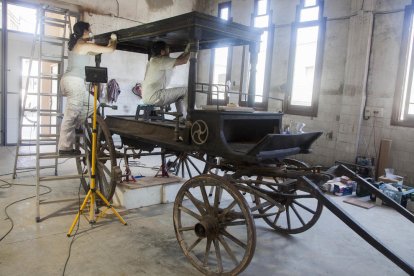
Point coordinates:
pixel 79 212
pixel 110 206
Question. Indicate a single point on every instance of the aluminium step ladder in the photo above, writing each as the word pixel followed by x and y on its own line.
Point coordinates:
pixel 41 112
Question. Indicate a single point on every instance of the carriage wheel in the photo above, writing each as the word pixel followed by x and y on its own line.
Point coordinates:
pixel 302 209
pixel 217 234
pixel 108 174
pixel 186 164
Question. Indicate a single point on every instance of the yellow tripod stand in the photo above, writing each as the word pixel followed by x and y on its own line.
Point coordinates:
pixel 93 192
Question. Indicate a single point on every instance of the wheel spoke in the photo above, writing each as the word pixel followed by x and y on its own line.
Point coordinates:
pixel 304 207
pixel 182 168
pixel 297 214
pixel 271 187
pixel 194 166
pixel 288 216
pixel 260 206
pixel 208 246
pixel 276 218
pixel 205 198
pixel 197 203
pixel 228 208
pixel 188 169
pixel 194 245
pixel 216 198
pixel 228 250
pixel 234 223
pixel 218 255
pixel 189 212
pixel 187 228
pixel 233 239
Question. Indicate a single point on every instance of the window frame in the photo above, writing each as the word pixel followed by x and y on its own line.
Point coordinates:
pixel 269 55
pixel 321 23
pixel 211 100
pixel 408 29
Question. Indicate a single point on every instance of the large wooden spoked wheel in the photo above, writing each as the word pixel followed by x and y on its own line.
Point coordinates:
pixel 217 234
pixel 302 209
pixel 108 174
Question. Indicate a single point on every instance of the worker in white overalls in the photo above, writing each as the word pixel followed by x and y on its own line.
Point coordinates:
pixel 79 103
pixel 159 67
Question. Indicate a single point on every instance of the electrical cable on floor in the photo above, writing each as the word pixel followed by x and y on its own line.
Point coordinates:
pixel 9 185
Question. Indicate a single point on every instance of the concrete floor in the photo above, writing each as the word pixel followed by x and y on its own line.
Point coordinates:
pixel 147 245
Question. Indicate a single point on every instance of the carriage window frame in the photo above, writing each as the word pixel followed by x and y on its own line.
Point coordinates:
pixel 214 98
pixel 300 24
pixel 258 12
pixel 404 84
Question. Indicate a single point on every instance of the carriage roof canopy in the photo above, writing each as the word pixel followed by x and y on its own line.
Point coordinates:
pixel 177 31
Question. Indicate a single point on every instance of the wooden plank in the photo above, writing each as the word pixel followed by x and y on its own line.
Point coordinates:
pixel 383 157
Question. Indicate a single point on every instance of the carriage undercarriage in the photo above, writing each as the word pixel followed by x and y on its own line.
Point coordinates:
pixel 216 208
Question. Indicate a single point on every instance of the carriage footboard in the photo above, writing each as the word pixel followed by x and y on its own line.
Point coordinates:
pixel 279 146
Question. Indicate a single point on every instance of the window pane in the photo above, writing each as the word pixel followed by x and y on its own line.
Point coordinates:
pixel 224 13
pixel 304 68
pixel 261 21
pixel 309 14
pixel 309 3
pixel 261 7
pixel 261 66
pixel 21 19
pixel 220 71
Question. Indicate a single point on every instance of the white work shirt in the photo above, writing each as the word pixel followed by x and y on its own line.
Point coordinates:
pixel 157 72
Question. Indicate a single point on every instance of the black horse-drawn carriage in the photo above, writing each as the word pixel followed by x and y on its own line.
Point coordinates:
pixel 247 173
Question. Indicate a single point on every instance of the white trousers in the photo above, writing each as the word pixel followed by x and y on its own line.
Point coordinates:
pixel 177 95
pixel 79 106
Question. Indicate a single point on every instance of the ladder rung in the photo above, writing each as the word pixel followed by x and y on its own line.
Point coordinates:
pixel 34 167
pixel 54 155
pixel 55 58
pixel 52 113
pixel 41 110
pixel 48 135
pixel 62 177
pixel 43 77
pixel 42 125
pixel 34 140
pixel 54 23
pixel 27 154
pixel 57 20
pixel 43 94
pixel 55 37
pixel 60 44
pixel 41 144
pixel 50 75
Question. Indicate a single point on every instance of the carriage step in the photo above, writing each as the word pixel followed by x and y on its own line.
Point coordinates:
pixel 62 177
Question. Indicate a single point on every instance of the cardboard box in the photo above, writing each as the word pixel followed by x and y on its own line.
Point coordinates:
pixel 400 196
pixel 398 180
